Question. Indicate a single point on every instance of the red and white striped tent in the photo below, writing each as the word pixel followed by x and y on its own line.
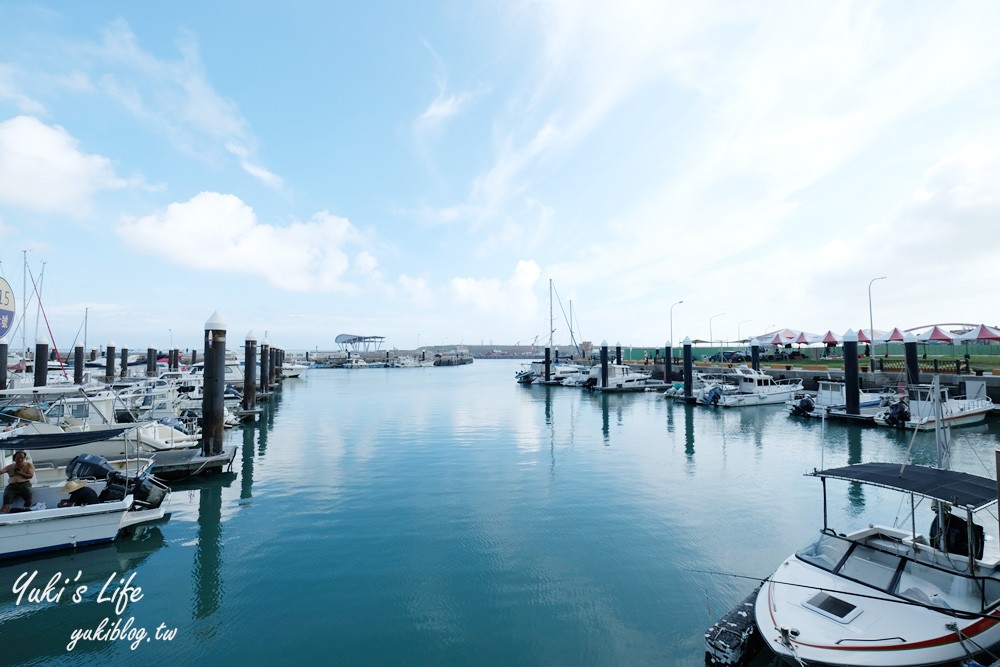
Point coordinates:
pixel 894 336
pixel 936 334
pixel 981 333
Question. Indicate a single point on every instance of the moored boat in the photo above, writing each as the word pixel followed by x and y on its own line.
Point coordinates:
pixel 888 595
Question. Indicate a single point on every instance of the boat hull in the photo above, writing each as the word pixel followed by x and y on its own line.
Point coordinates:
pixel 25 533
pixel 879 637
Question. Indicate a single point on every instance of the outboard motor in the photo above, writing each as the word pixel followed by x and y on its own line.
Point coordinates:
pixel 89 466
pixel 712 395
pixel 149 492
pixel 956 536
pixel 805 405
pixel 590 383
pixel 898 414
pixel 176 423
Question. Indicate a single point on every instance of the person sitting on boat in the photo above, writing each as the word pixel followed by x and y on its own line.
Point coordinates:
pixel 79 494
pixel 19 474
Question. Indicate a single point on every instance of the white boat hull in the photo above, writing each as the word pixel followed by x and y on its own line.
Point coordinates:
pixel 25 533
pixel 880 636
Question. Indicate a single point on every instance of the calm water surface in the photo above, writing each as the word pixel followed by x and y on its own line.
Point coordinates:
pixel 435 516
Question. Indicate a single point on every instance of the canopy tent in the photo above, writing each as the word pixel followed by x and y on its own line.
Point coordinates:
pixel 804 338
pixel 981 333
pixel 894 336
pixel 830 338
pixel 863 337
pixel 936 334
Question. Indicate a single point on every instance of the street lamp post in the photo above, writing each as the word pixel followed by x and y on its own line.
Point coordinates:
pixel 739 337
pixel 672 323
pixel 871 324
pixel 711 340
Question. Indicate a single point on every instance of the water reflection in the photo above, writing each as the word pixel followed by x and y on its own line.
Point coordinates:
pixel 855 490
pixel 81 572
pixel 208 557
pixel 246 471
pixel 689 432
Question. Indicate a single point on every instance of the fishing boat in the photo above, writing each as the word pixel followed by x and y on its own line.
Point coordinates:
pixel 888 596
pixel 745 386
pixel 620 378
pixel 831 398
pixel 129 496
pixel 917 410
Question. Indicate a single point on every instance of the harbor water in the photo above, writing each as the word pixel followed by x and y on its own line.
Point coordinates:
pixel 432 516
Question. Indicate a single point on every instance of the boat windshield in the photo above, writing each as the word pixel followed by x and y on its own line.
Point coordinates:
pixel 892 566
pixel 826 551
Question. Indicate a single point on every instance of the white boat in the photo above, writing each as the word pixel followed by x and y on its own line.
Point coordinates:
pixel 699 380
pixel 560 372
pixel 68 410
pixel 293 370
pixel 752 387
pixel 917 410
pixel 889 596
pixel 129 496
pixel 355 362
pixel 457 357
pixel 621 377
pixel 831 397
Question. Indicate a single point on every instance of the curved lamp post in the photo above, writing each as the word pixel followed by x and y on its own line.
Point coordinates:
pixel 672 322
pixel 711 341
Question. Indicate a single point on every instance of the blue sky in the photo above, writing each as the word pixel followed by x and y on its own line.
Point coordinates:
pixel 421 171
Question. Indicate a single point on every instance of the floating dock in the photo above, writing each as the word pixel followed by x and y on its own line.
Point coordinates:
pixel 172 464
pixel 734 639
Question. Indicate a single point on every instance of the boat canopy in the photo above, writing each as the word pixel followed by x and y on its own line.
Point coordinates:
pixel 30 441
pixel 958 488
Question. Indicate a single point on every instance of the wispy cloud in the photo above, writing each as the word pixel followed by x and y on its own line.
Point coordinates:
pixel 177 99
pixel 10 91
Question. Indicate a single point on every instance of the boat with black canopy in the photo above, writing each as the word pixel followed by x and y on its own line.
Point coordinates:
pixel 128 495
pixel 888 595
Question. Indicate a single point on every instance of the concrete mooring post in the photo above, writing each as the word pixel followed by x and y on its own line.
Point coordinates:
pixel 4 351
pixel 213 405
pixel 668 363
pixel 852 373
pixel 150 362
pixel 688 371
pixel 124 373
pixel 41 362
pixel 78 365
pixel 912 364
pixel 618 353
pixel 548 363
pixel 250 372
pixel 604 365
pixel 265 357
pixel 755 355
pixel 109 363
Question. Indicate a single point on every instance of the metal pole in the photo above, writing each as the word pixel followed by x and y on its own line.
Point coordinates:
pixel 871 325
pixel 672 321
pixel 711 340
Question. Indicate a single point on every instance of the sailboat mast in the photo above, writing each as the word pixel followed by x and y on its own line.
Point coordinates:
pixel 551 321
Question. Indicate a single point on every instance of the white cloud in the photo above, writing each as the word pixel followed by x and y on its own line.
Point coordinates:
pixel 303 256
pixel 43 169
pixel 511 302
